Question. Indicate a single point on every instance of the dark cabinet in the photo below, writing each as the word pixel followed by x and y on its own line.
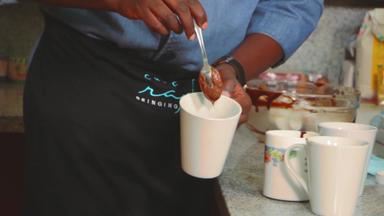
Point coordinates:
pixel 355 3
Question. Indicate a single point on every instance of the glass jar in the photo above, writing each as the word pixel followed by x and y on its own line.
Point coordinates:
pixel 299 105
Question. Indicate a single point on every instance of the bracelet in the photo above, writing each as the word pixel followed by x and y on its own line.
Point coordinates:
pixel 240 74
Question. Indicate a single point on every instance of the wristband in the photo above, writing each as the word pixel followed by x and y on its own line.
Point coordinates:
pixel 240 74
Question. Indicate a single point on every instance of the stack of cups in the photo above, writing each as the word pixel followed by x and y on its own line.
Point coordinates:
pixel 329 169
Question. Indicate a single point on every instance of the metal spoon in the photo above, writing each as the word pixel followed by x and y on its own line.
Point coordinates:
pixel 206 70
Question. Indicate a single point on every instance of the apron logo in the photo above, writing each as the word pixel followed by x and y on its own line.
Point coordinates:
pixel 154 98
pixel 167 94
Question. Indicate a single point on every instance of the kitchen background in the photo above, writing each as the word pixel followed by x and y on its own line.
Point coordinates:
pixel 21 25
pixel 322 53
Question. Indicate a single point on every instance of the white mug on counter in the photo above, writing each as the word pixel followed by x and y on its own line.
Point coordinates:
pixel 358 131
pixel 278 184
pixel 335 168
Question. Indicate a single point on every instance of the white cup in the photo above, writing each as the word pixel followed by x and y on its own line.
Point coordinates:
pixel 362 132
pixel 335 168
pixel 278 183
pixel 206 133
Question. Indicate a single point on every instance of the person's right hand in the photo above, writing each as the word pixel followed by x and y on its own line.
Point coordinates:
pixel 163 16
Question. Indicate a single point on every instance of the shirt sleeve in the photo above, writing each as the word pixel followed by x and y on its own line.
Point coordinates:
pixel 288 22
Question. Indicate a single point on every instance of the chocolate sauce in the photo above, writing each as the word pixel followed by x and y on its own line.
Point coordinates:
pixel 213 92
pixel 321 82
pixel 261 97
pixel 322 102
pixel 302 133
pixel 315 95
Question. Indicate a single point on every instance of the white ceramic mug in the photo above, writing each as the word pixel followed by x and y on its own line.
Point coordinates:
pixel 278 183
pixel 362 132
pixel 335 169
pixel 206 133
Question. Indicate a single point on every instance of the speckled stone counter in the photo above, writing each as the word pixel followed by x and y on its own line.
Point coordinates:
pixel 11 108
pixel 242 180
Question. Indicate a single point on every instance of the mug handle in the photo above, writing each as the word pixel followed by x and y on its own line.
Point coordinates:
pixel 293 172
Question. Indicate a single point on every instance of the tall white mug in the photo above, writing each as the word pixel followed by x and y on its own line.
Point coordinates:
pixel 206 131
pixel 335 168
pixel 362 132
pixel 278 183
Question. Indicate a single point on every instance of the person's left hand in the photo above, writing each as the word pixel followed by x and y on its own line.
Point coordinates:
pixel 233 89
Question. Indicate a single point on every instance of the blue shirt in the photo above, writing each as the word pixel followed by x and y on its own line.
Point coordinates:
pixel 289 22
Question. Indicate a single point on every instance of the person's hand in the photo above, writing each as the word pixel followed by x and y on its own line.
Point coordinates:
pixel 233 89
pixel 163 16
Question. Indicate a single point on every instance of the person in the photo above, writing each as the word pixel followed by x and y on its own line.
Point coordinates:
pixel 101 97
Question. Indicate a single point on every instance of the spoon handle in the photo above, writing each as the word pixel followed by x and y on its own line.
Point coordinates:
pixel 201 43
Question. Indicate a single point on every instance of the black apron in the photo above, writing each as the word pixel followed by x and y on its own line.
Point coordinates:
pixel 102 131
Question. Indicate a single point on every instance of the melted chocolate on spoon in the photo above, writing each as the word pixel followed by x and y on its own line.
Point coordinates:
pixel 213 92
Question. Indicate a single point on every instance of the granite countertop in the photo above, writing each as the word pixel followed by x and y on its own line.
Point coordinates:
pixel 242 180
pixel 11 107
